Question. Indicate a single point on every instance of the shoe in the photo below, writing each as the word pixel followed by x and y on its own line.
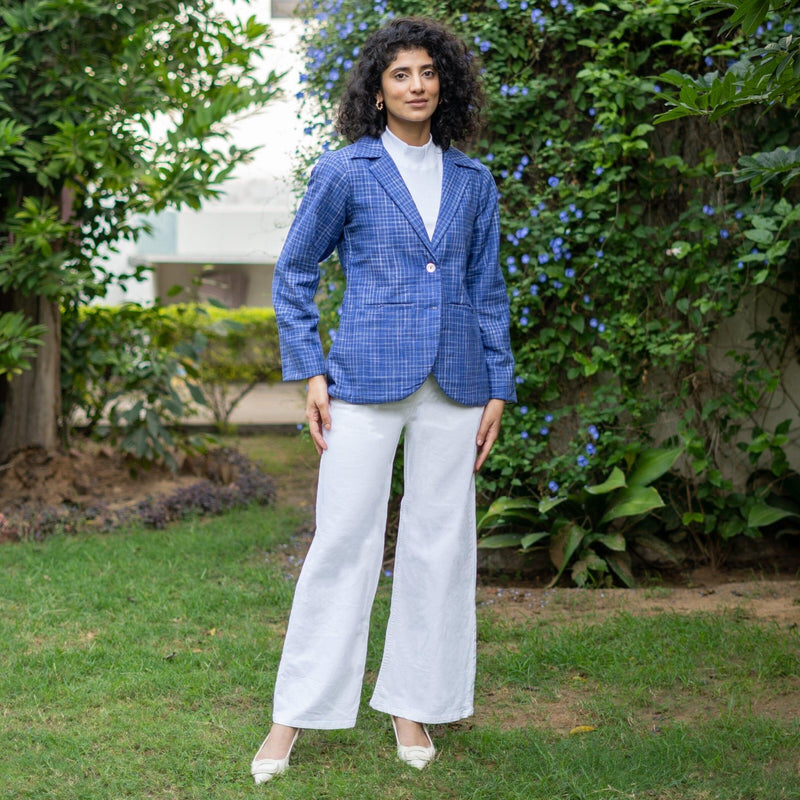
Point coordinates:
pixel 265 769
pixel 415 756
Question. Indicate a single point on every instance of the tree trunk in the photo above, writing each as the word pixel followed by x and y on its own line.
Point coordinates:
pixel 33 399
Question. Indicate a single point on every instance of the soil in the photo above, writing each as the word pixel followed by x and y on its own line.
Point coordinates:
pixel 86 477
pixel 90 475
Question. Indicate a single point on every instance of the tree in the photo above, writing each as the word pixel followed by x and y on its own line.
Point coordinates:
pixel 759 74
pixel 108 112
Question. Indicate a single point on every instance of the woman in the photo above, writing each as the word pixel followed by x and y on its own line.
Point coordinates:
pixel 422 347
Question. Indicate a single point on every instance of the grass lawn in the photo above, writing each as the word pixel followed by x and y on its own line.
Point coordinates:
pixel 140 664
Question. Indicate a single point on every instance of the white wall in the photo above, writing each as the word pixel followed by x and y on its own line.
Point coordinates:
pixel 250 221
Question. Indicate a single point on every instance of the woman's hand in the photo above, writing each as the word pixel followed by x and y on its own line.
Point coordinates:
pixel 318 410
pixel 489 430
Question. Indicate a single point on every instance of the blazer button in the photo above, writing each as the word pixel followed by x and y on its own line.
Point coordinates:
pixel 431 267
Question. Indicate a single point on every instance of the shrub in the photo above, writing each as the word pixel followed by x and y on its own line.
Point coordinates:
pixel 624 251
pixel 139 369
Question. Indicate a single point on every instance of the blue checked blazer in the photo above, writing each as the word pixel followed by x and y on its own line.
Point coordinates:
pixel 412 306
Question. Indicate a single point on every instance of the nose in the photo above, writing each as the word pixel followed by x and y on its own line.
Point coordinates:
pixel 416 83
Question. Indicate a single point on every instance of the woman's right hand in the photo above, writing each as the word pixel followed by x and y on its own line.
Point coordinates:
pixel 318 410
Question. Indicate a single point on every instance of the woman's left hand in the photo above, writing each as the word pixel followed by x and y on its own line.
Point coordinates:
pixel 489 430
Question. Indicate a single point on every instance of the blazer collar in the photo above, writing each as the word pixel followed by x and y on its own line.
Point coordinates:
pixel 454 182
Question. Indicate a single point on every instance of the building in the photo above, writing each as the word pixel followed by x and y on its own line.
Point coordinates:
pixel 227 250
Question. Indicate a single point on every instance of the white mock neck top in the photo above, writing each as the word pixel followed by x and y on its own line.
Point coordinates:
pixel 421 170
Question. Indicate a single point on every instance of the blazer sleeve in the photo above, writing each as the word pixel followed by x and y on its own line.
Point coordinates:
pixel 487 291
pixel 315 232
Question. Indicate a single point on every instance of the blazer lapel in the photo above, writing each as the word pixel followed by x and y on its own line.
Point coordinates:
pixel 454 182
pixel 387 174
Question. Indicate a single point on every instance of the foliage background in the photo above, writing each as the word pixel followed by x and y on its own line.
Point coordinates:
pixel 625 251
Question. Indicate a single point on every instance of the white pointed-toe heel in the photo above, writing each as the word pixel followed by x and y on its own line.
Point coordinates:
pixel 416 756
pixel 265 769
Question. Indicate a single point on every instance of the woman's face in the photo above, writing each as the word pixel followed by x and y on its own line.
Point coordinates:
pixel 410 93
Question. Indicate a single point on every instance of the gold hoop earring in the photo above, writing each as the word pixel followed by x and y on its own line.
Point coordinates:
pixel 379 105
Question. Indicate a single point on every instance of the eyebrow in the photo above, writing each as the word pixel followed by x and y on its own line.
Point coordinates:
pixel 407 69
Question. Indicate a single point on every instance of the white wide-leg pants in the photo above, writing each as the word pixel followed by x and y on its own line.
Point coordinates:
pixel 428 668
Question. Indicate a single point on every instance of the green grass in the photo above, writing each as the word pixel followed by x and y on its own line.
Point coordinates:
pixel 140 664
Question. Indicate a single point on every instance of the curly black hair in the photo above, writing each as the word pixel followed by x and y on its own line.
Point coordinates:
pixel 461 95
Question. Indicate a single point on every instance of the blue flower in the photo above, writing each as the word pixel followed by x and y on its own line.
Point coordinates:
pixel 709 210
pixel 598 170
pixel 519 379
pixel 593 432
pixel 583 461
pixel 523 410
pixel 534 290
pixel 544 431
pixel 788 27
pixel 543 259
pixel 548 418
pixel 587 299
pixel 724 234
pixel 601 327
pixel 525 258
pixel 534 212
pixel 464 17
pixel 563 216
pixel 547 143
pixel 524 161
pixel 542 277
pixel 523 321
pixel 552 181
pixel 557 284
pixel 592 111
pixel 515 292
pixel 593 323
pixel 591 449
pixel 599 253
pixel 524 435
pixel 739 214
pixel 552 486
pixel 569 272
pixel 709 62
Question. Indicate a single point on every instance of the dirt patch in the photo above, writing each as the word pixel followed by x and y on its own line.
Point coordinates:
pixel 774 599
pixel 92 486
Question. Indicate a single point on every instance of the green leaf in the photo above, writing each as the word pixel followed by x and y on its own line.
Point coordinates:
pixel 508 508
pixel 548 503
pixel 761 515
pixel 500 540
pixel 652 464
pixel 632 502
pixel 529 539
pixel 615 480
pixel 760 236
